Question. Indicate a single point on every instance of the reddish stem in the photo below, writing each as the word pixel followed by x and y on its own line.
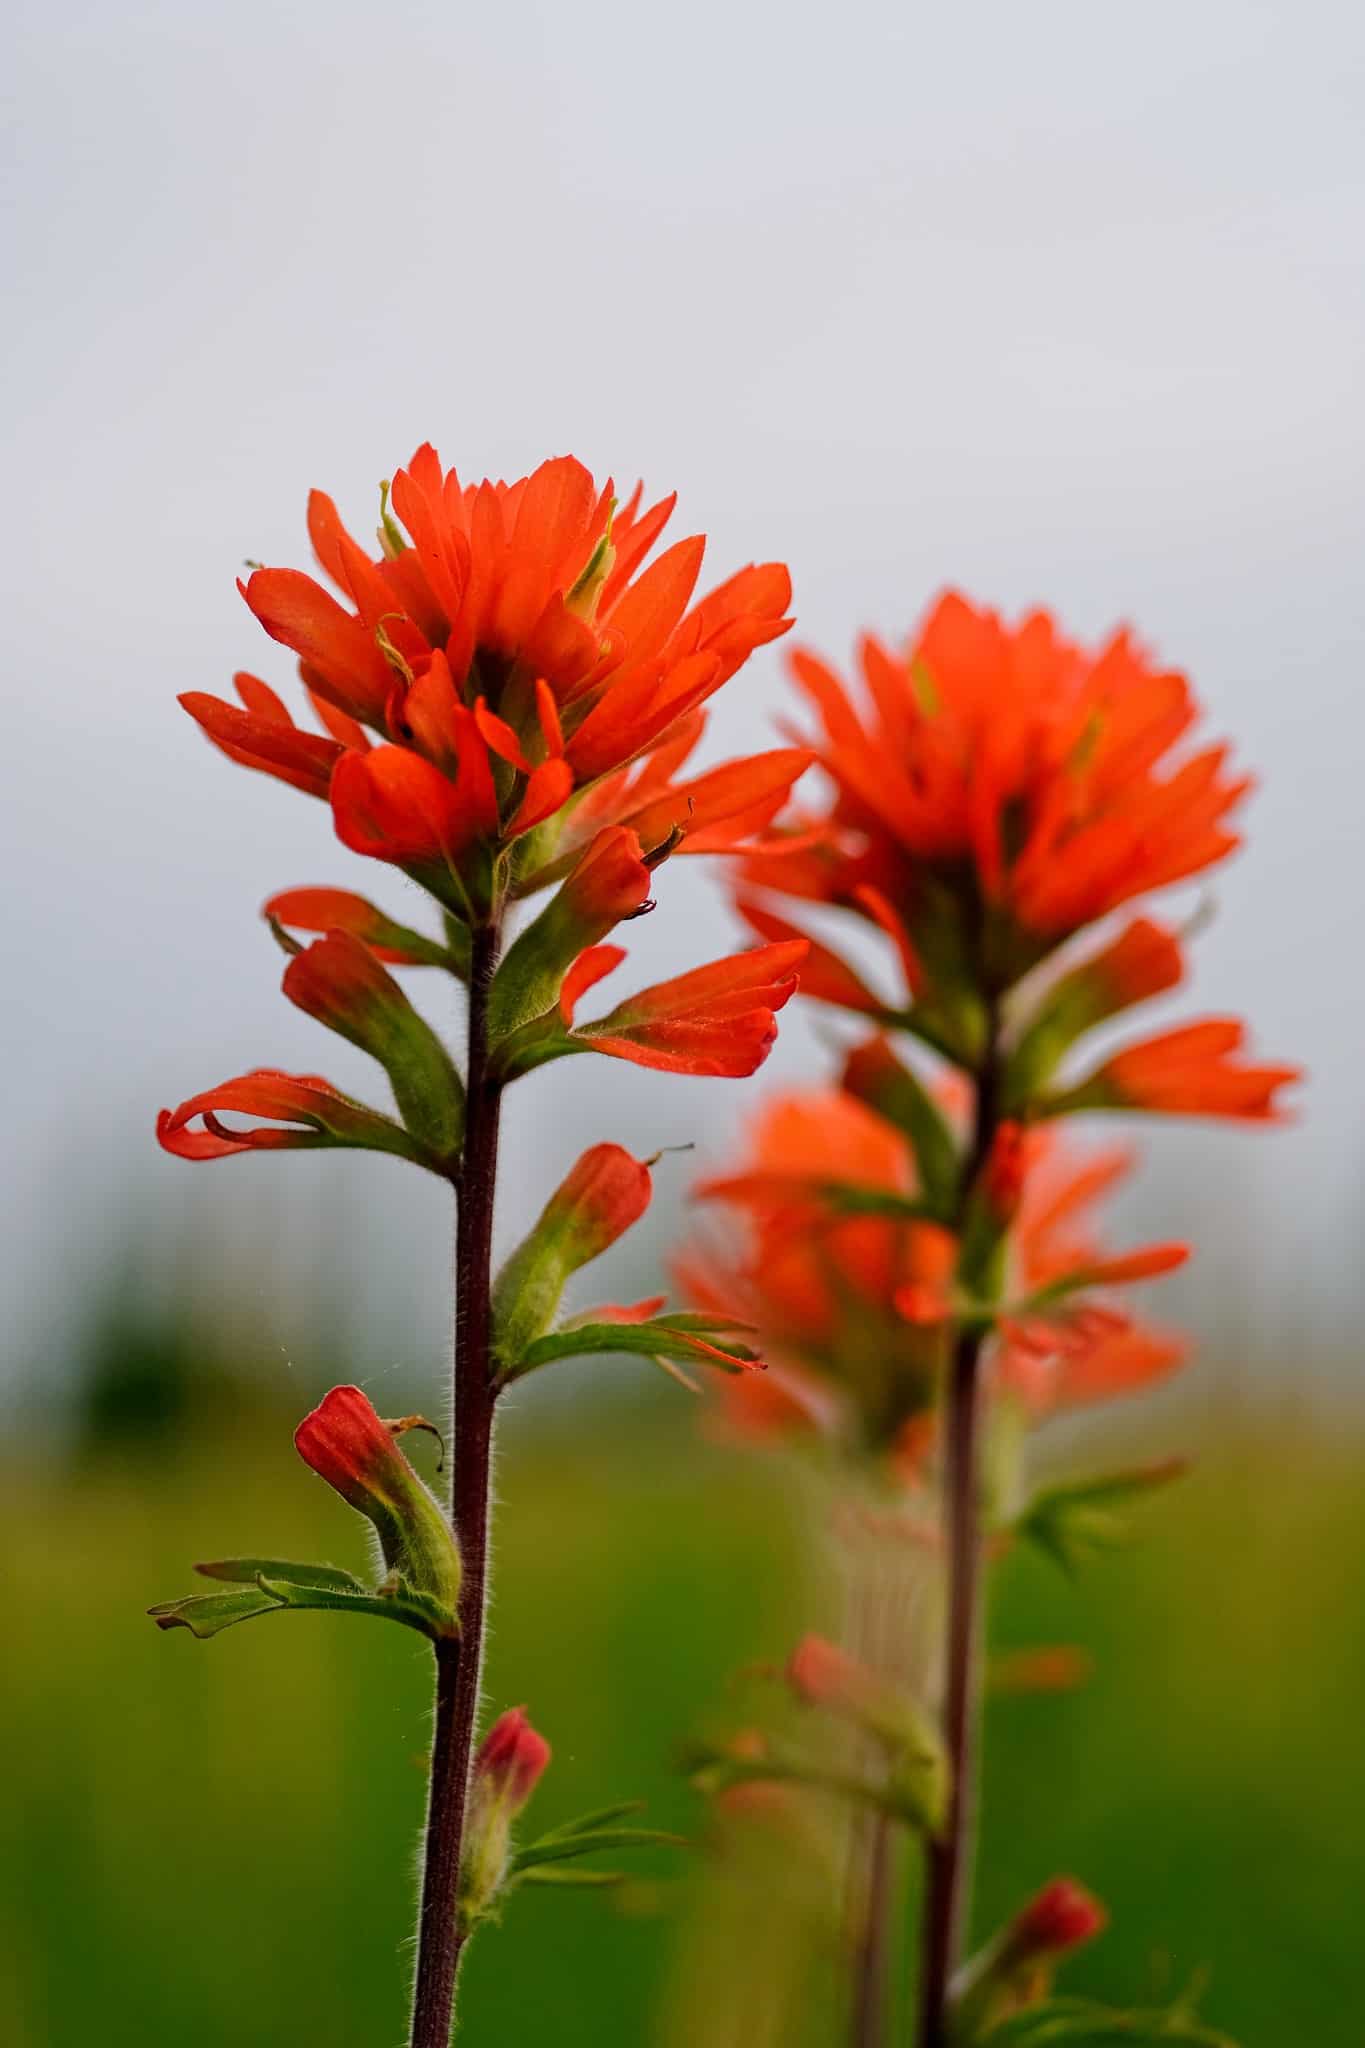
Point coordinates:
pixel 948 1861
pixel 458 1663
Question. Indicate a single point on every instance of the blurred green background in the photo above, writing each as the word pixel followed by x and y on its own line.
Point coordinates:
pixel 213 1843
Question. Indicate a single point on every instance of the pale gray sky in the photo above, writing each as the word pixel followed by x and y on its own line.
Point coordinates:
pixel 1059 302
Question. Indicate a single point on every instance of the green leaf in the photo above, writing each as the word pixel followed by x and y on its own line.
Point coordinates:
pixel 875 1076
pixel 245 1571
pixel 402 1603
pixel 581 1880
pixel 208 1614
pixel 609 882
pixel 341 983
pixel 852 1198
pixel 672 1337
pixel 1079 2023
pixel 600 1817
pixel 562 1848
pixel 914 1793
pixel 1082 1518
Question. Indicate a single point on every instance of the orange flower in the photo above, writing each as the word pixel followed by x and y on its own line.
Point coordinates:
pixel 510 649
pixel 1072 1349
pixel 853 1307
pixel 999 789
pixel 1187 1072
pixel 824 1287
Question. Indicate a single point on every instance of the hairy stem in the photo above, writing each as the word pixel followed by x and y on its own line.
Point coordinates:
pixel 948 1861
pixel 440 1941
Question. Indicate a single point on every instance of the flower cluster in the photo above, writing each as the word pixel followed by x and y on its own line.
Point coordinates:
pixel 508 693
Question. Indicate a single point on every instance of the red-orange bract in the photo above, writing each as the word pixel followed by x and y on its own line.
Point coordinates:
pixel 1051 779
pixel 509 648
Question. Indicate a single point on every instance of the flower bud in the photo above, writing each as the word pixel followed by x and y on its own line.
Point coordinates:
pixel 823 1675
pixel 507 1768
pixel 1014 1969
pixel 598 1200
pixel 1062 1916
pixel 347 1444
pixel 339 981
pixel 609 883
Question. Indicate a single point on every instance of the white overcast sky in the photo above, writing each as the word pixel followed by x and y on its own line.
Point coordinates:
pixel 1060 302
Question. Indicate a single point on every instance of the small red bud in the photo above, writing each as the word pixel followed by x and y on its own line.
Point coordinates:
pixel 823 1675
pixel 511 1759
pixel 1062 1916
pixel 507 1769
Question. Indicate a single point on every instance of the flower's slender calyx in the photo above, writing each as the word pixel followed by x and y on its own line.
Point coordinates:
pixel 345 1442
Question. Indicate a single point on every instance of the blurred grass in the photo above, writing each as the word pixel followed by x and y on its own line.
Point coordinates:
pixel 213 1843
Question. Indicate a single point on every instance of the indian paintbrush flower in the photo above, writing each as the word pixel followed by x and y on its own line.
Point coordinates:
pixel 915 1251
pixel 505 697
pixel 507 652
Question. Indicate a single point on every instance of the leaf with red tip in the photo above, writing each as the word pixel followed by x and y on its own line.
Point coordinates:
pixel 306 1111
pixel 606 1192
pixel 338 910
pixel 341 983
pixel 610 882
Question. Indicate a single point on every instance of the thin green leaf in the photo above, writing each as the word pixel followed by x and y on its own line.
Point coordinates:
pixel 245 1571
pixel 403 1604
pixel 581 1880
pixel 660 1338
pixel 1079 2023
pixel 600 1817
pixel 1080 1519
pixel 569 1846
pixel 208 1614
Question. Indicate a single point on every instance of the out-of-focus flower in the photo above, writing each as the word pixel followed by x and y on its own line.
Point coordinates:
pixel 825 1295
pixel 853 1307
pixel 1192 1071
pixel 999 788
pixel 1015 1969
